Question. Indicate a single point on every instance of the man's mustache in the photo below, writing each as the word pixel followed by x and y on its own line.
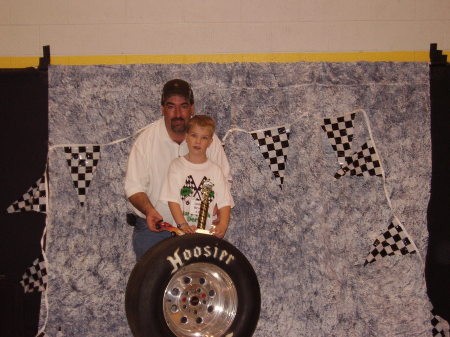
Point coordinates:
pixel 175 119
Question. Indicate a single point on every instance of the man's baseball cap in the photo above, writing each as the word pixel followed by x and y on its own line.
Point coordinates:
pixel 177 87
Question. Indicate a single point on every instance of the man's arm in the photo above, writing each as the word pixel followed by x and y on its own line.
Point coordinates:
pixel 137 179
pixel 141 201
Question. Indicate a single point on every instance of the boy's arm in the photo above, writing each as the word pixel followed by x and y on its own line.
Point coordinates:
pixel 177 214
pixel 222 225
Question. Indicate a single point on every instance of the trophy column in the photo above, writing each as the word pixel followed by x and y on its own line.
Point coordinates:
pixel 204 205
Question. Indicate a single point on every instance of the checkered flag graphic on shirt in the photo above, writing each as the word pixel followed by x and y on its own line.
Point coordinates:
pixel 440 326
pixel 35 199
pixel 195 191
pixel 394 241
pixel 365 162
pixel 35 277
pixel 273 144
pixel 189 184
pixel 339 131
pixel 82 161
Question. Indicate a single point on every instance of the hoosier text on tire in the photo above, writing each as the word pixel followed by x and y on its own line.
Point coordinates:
pixel 193 285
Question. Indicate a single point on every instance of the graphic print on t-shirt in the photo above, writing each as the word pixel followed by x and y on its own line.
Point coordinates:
pixel 190 195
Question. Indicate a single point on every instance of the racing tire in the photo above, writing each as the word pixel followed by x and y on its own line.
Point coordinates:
pixel 193 285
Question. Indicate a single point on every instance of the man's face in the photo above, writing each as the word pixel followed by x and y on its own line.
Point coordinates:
pixel 198 139
pixel 177 111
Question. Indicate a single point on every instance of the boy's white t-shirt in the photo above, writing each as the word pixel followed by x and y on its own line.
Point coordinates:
pixel 183 185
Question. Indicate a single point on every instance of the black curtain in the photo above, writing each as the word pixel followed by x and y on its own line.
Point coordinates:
pixel 437 269
pixel 24 122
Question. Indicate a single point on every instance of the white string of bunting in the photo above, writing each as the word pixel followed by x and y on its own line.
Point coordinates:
pixel 83 159
pixel 44 276
pixel 35 277
pixel 366 161
pixel 273 143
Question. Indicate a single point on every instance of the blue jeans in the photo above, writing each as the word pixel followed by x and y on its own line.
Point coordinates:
pixel 144 238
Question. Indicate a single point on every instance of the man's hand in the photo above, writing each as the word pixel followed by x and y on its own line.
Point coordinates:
pixel 153 217
pixel 141 201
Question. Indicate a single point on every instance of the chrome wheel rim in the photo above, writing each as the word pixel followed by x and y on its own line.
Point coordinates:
pixel 200 300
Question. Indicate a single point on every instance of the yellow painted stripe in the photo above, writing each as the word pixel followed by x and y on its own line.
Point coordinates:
pixel 401 56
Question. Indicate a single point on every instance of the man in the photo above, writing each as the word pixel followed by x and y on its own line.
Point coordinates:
pixel 149 159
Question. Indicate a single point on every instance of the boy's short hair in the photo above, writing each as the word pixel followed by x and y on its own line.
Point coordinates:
pixel 203 121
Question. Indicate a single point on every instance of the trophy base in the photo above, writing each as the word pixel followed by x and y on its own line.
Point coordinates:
pixel 202 231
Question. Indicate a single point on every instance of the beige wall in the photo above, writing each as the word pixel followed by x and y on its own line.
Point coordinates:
pixel 149 27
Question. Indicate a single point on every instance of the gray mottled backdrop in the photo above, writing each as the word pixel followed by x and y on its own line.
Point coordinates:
pixel 307 242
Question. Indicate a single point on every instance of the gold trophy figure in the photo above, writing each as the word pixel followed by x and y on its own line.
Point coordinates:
pixel 204 205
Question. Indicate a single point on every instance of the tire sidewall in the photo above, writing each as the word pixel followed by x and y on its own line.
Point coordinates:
pixel 151 275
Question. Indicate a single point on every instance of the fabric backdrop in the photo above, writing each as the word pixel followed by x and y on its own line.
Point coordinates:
pixel 307 241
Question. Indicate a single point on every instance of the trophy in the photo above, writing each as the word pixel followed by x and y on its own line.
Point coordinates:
pixel 204 205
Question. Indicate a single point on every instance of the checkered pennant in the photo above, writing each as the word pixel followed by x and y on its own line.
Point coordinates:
pixel 394 241
pixel 42 334
pixel 35 277
pixel 82 161
pixel 365 162
pixel 273 144
pixel 339 131
pixel 438 324
pixel 33 200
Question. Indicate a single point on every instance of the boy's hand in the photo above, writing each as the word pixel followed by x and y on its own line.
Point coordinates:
pixel 216 218
pixel 220 230
pixel 186 228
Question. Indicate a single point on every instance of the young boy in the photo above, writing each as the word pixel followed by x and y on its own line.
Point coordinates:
pixel 182 188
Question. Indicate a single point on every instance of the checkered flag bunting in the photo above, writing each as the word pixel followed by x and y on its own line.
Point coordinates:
pixel 42 334
pixel 339 131
pixel 394 241
pixel 365 162
pixel 35 277
pixel 82 161
pixel 35 199
pixel 440 326
pixel 273 144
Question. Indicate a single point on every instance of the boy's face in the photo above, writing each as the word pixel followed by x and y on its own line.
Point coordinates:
pixel 198 139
